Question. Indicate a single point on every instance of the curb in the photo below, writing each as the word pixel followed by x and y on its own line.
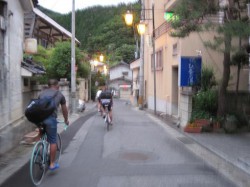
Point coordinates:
pixel 20 155
pixel 219 162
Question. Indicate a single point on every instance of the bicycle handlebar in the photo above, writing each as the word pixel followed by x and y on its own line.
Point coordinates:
pixel 65 126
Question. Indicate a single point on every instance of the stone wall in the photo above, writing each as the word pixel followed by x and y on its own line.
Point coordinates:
pixel 185 107
pixel 12 123
pixel 10 84
pixel 12 134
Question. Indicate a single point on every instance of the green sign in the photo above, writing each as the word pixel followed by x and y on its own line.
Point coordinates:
pixel 170 16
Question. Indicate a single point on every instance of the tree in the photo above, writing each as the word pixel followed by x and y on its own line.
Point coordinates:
pixel 189 17
pixel 239 59
pixel 99 27
pixel 60 62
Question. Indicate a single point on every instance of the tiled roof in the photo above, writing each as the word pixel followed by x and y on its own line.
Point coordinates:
pixel 33 67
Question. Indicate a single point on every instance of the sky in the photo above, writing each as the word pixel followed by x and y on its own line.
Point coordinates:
pixel 65 6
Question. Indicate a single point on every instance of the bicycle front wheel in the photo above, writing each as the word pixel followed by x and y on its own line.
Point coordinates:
pixel 58 147
pixel 37 163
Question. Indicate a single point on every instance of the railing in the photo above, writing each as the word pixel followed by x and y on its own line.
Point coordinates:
pixel 163 28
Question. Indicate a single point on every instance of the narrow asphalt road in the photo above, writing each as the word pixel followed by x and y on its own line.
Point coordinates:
pixel 138 151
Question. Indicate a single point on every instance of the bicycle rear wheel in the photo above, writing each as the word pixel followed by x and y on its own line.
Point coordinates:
pixel 107 125
pixel 37 163
pixel 58 147
pixel 107 121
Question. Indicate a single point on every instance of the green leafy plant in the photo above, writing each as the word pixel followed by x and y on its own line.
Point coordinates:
pixel 60 62
pixel 205 102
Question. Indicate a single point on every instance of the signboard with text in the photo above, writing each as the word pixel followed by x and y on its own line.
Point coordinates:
pixel 190 71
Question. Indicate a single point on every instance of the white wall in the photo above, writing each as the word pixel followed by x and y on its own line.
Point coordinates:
pixel 11 95
pixel 117 72
pixel 12 124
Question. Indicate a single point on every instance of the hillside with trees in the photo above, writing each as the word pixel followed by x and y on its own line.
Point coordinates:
pixel 102 30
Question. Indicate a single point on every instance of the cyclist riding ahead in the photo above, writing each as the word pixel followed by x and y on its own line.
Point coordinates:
pixel 98 99
pixel 106 98
pixel 50 123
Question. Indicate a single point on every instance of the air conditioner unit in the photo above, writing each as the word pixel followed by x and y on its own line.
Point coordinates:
pixel 2 23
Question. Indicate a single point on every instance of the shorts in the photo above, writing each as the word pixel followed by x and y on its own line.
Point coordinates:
pixel 107 102
pixel 51 129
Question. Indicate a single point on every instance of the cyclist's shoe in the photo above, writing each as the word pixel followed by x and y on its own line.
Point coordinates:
pixel 56 166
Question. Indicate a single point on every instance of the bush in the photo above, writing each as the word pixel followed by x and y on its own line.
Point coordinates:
pixel 206 101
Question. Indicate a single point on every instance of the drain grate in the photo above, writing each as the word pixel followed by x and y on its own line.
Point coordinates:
pixel 185 140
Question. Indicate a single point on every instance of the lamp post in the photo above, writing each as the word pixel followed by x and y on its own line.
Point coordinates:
pixel 105 69
pixel 73 73
pixel 141 30
pixel 129 21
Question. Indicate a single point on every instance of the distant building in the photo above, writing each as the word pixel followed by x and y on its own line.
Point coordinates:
pixel 135 68
pixel 121 80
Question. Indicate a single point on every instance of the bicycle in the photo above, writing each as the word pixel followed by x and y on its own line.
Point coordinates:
pixel 40 157
pixel 107 119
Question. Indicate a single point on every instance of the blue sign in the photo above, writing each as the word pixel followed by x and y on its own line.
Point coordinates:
pixel 190 71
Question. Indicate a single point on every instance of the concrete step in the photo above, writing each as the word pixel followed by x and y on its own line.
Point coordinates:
pixel 31 138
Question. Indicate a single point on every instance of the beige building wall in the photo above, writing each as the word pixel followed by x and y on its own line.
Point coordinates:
pixel 135 67
pixel 169 96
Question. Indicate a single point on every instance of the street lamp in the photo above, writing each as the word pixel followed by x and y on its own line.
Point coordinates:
pixel 129 18
pixel 101 57
pixel 141 30
pixel 105 68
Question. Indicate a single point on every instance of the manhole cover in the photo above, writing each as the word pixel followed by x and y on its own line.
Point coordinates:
pixel 134 156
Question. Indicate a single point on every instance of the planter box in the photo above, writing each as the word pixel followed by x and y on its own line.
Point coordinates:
pixel 192 129
pixel 216 126
pixel 202 122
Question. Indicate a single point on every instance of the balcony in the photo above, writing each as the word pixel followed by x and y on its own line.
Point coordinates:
pixel 170 4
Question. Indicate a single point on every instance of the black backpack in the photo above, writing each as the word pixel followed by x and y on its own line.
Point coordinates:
pixel 40 109
pixel 106 94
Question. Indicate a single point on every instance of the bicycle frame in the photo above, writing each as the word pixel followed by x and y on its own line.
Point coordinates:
pixel 40 157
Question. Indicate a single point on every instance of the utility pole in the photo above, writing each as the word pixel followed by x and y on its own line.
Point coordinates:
pixel 73 72
pixel 154 58
pixel 248 13
pixel 141 72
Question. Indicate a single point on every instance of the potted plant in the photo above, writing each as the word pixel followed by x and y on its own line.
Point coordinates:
pixel 192 127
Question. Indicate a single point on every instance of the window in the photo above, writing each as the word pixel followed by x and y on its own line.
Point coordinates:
pixel 175 49
pixel 152 62
pixel 125 73
pixel 25 82
pixel 158 62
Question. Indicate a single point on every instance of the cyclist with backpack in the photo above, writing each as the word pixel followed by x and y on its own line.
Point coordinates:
pixel 50 123
pixel 106 98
